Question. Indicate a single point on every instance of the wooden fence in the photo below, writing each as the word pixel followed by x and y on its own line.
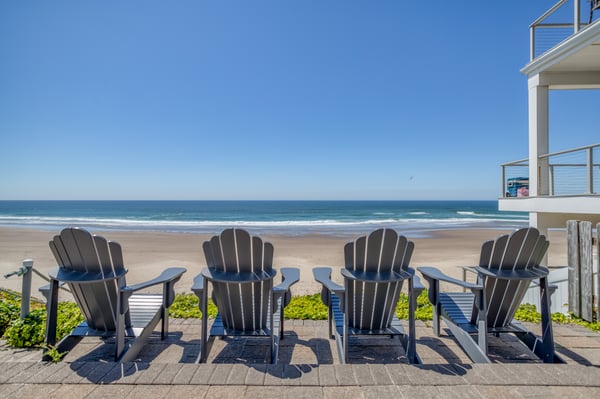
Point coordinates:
pixel 584 281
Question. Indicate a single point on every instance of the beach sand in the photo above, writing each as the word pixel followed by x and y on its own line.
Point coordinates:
pixel 147 253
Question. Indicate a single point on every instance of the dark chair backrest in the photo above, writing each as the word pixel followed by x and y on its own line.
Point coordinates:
pixel 522 250
pixel 371 305
pixel 243 306
pixel 79 252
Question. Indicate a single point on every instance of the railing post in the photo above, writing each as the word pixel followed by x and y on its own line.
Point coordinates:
pixel 531 43
pixel 590 170
pixel 576 16
pixel 551 178
pixel 503 192
pixel 26 288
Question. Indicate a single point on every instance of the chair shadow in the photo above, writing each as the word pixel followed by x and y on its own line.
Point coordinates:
pixel 99 367
pixel 574 356
pixel 366 349
pixel 441 351
pixel 505 349
pixel 254 352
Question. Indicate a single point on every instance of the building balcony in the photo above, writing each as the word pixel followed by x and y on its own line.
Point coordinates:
pixel 568 182
pixel 559 23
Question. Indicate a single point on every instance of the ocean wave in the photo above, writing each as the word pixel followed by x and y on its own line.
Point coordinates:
pixel 187 224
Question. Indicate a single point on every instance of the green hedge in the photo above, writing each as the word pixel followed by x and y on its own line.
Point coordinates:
pixel 29 332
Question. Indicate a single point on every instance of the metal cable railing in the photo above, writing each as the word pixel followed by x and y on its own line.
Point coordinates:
pixel 570 172
pixel 559 23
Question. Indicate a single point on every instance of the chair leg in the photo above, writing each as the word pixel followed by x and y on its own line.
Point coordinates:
pixel 481 322
pixel 543 348
pixel 281 316
pixel 411 351
pixel 345 330
pixel 467 343
pixel 434 298
pixel 272 326
pixel 120 339
pixel 204 333
pixel 436 320
pixel 330 315
pixel 343 344
pixel 164 325
pixel 52 313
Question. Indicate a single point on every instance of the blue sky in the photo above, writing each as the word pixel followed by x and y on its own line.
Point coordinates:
pixel 268 99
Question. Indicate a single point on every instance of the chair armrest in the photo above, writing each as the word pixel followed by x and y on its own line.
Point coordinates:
pixel 323 275
pixel 531 274
pixel 198 285
pixel 289 277
pixel 73 276
pixel 242 278
pixel 377 277
pixel 431 273
pixel 45 291
pixel 418 286
pixel 169 275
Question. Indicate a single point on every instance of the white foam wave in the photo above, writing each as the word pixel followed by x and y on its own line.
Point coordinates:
pixel 191 224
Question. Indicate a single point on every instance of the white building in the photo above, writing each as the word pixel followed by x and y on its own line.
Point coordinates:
pixel 564 185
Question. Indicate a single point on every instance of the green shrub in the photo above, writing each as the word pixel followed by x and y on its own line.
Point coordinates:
pixel 27 332
pixel 528 312
pixel 185 306
pixel 10 307
pixel 306 307
pixel 30 331
pixel 424 310
pixel 69 317
pixel 8 312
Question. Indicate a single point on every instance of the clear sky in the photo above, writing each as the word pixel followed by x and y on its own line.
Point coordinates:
pixel 280 99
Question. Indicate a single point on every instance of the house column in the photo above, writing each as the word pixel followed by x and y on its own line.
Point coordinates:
pixel 538 137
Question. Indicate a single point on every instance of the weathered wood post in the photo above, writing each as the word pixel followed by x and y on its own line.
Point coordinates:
pixel 574 269
pixel 579 240
pixel 26 288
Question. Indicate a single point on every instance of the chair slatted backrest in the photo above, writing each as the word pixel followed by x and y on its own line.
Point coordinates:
pixel 372 304
pixel 522 250
pixel 78 251
pixel 243 307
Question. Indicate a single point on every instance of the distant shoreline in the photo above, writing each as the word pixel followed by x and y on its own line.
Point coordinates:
pixel 291 218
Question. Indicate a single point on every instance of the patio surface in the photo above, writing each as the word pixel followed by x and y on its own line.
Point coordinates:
pixel 308 368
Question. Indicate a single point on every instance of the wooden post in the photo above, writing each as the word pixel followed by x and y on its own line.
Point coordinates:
pixel 26 288
pixel 581 295
pixel 574 269
pixel 586 276
pixel 598 260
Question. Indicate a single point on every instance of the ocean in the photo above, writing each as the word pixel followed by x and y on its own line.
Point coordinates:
pixel 340 218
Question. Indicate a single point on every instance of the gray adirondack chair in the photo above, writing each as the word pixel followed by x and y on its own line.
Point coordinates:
pixel 507 267
pixel 240 269
pixel 376 267
pixel 92 267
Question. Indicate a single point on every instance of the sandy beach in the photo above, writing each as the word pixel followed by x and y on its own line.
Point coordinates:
pixel 147 253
